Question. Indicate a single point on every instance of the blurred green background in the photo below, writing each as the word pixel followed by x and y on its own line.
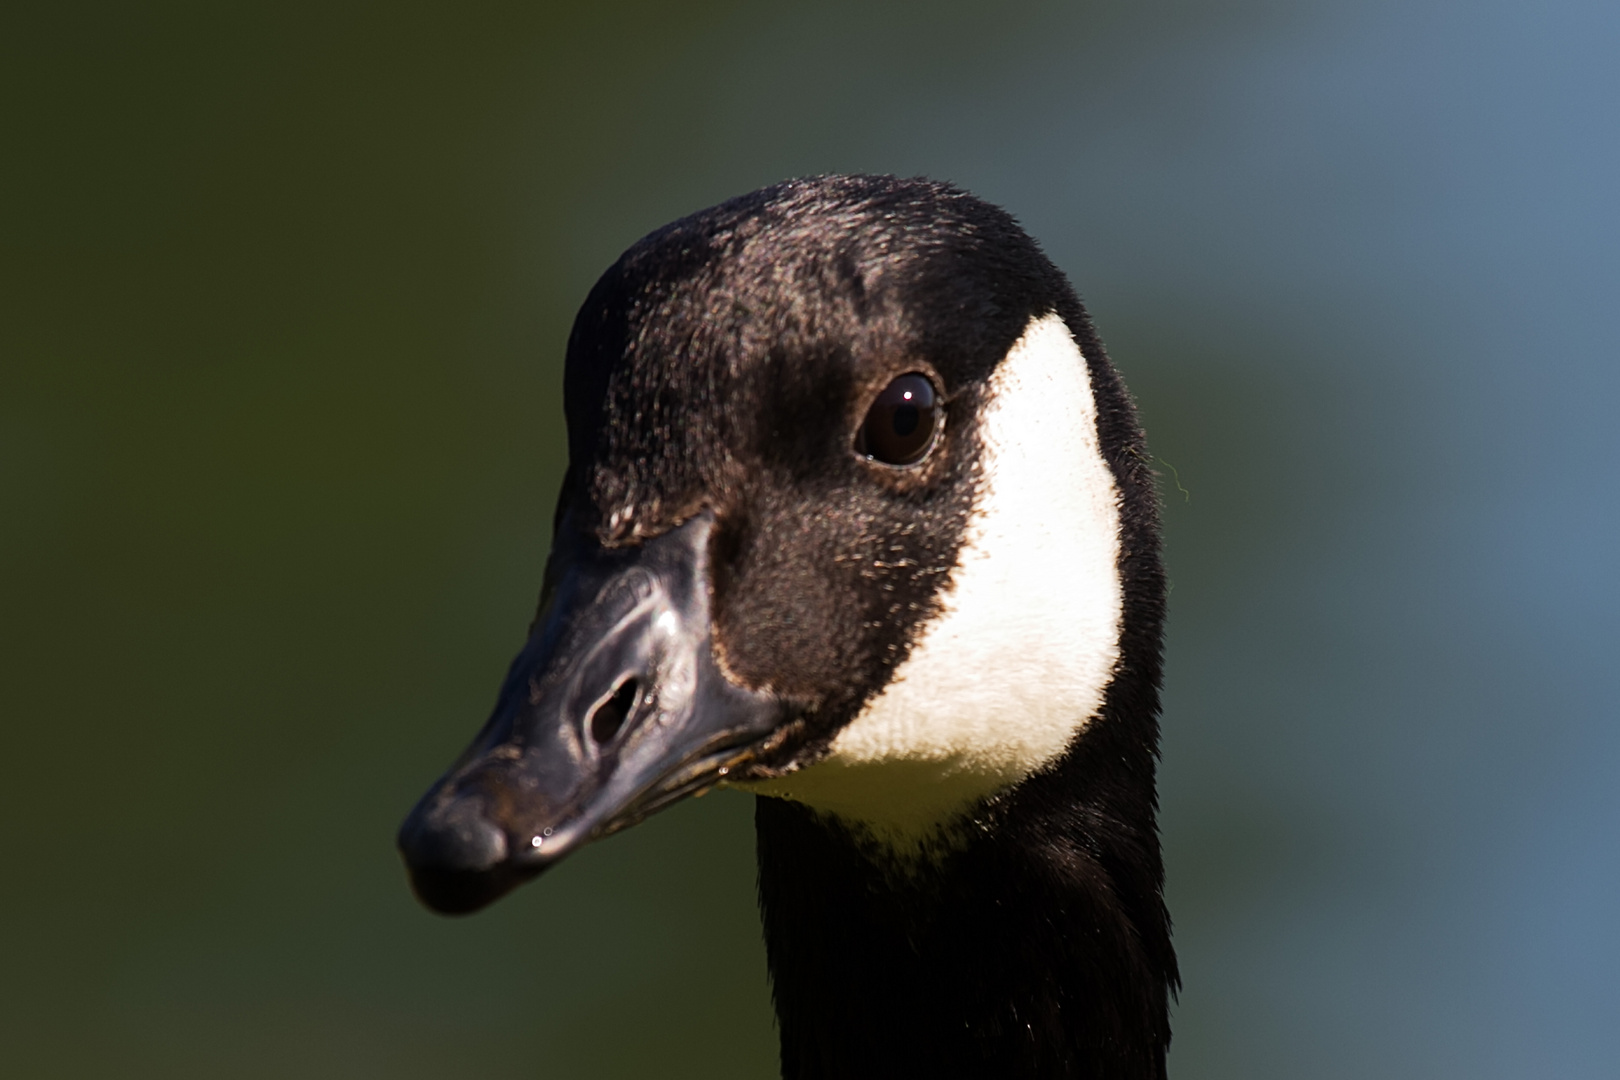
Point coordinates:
pixel 285 293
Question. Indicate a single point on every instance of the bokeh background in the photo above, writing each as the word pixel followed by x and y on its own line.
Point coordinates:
pixel 285 293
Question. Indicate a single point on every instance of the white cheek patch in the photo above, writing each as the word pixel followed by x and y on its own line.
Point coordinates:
pixel 1016 663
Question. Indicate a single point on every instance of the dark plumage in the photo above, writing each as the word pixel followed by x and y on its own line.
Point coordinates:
pixel 715 376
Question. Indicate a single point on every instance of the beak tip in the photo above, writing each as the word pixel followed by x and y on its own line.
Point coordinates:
pixel 457 858
pixel 454 892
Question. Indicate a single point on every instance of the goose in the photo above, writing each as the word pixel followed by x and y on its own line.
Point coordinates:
pixel 859 518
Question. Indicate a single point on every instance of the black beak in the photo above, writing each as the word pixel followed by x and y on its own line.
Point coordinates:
pixel 614 709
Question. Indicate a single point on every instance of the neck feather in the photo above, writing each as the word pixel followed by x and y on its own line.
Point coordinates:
pixel 1037 945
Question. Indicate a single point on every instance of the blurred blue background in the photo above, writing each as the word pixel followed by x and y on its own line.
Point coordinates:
pixel 286 288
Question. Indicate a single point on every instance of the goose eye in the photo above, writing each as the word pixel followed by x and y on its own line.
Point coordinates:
pixel 899 428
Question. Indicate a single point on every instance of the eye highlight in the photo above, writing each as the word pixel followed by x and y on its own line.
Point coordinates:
pixel 900 427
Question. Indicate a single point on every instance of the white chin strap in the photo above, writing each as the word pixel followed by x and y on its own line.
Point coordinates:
pixel 1016 662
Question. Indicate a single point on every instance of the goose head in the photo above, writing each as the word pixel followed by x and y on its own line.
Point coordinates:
pixel 855 516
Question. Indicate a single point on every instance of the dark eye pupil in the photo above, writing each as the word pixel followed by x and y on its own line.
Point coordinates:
pixel 905 420
pixel 899 428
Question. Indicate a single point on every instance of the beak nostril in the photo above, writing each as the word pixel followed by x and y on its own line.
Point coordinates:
pixel 611 714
